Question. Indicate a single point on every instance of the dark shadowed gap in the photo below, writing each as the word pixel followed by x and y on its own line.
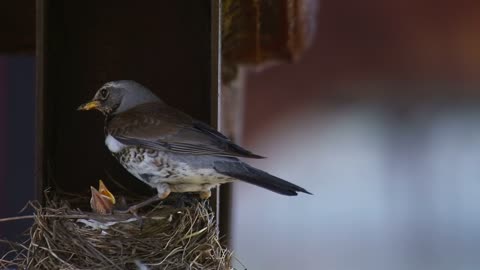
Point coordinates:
pixel 3 116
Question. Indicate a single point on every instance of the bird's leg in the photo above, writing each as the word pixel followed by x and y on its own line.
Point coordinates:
pixel 163 192
pixel 134 208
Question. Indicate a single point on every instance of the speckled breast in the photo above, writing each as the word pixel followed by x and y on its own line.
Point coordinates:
pixel 148 165
pixel 154 167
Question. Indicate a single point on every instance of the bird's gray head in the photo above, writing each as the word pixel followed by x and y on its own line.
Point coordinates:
pixel 119 96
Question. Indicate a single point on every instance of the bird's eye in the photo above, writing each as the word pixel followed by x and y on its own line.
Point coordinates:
pixel 103 94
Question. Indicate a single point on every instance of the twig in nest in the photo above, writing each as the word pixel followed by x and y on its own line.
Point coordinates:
pixel 171 238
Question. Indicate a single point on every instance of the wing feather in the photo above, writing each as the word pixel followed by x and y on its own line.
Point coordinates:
pixel 158 126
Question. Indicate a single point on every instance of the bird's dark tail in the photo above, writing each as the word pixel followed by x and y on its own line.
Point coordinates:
pixel 249 174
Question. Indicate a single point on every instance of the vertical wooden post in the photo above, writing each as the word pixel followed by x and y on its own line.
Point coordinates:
pixel 231 107
pixel 216 82
pixel 40 161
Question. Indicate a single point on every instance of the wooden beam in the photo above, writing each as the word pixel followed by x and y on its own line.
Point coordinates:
pixel 216 81
pixel 17 26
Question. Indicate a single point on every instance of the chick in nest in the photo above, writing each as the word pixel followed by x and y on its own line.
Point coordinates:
pixel 102 200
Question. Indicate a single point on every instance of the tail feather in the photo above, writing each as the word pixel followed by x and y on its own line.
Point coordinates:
pixel 249 174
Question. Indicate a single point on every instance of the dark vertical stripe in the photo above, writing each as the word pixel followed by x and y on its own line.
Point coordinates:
pixel 3 134
pixel 19 182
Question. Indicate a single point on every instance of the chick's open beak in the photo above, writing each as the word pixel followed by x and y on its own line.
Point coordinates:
pixel 94 104
pixel 102 201
pixel 105 192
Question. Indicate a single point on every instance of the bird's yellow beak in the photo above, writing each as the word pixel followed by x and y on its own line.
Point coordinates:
pixel 89 105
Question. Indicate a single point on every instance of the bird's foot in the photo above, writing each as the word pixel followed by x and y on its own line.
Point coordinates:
pixel 134 211
pixel 131 210
pixel 163 191
pixel 134 208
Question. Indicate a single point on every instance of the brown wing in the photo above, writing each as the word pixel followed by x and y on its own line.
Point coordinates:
pixel 158 126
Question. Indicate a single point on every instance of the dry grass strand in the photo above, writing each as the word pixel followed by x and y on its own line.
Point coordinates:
pixel 164 238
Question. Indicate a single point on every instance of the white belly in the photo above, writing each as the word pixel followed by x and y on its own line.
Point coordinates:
pixel 113 145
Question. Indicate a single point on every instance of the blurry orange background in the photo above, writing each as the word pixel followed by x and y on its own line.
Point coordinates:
pixel 380 119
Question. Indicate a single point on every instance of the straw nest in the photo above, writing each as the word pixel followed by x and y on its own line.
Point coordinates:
pixel 163 238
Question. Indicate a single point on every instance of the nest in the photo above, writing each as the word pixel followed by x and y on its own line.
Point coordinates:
pixel 163 238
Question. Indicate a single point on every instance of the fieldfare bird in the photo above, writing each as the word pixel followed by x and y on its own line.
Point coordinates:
pixel 169 150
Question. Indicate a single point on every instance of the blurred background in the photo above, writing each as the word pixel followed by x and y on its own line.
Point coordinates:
pixel 378 119
pixel 17 112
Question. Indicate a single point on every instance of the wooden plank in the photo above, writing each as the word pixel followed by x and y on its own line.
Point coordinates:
pixel 216 80
pixel 40 142
pixel 17 26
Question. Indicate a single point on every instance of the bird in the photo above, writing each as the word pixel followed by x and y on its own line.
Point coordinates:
pixel 171 151
pixel 102 200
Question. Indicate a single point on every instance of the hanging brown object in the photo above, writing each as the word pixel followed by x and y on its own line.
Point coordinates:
pixel 256 32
